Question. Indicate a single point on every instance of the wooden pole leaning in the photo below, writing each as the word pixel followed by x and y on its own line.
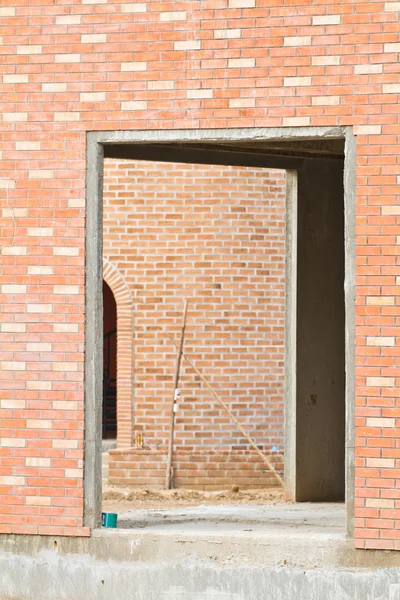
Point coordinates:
pixel 238 425
pixel 168 476
pixel 263 457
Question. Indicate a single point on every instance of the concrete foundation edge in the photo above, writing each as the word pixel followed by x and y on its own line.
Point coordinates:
pixel 49 576
pixel 136 565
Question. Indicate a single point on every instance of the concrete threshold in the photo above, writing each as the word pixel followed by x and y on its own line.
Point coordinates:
pixel 301 535
pixel 282 521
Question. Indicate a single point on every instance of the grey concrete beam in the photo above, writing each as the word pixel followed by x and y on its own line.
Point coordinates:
pixel 199 156
pixel 210 135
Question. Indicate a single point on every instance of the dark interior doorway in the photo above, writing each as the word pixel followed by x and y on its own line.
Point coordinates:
pixel 320 373
pixel 109 364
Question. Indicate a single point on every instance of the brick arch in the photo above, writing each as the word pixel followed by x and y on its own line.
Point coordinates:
pixel 123 300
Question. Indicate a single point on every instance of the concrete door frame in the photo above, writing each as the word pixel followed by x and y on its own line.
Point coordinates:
pixel 290 461
pixel 96 142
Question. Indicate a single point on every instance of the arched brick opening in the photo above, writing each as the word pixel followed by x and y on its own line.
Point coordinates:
pixel 109 425
pixel 124 303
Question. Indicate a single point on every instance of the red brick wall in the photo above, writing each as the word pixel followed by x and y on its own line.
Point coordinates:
pixel 216 236
pixel 68 68
pixel 196 470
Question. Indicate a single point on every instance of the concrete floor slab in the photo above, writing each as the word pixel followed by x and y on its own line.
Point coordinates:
pixel 280 520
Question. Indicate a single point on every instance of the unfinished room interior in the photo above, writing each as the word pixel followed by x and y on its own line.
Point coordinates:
pixel 199 292
pixel 216 236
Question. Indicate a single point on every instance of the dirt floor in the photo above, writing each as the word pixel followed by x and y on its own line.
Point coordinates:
pixel 121 500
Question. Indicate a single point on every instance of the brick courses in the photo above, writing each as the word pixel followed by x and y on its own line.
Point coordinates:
pixel 216 236
pixel 198 470
pixel 174 65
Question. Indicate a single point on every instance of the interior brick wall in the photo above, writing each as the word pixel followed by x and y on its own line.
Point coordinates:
pixel 214 235
pixel 209 470
pixel 69 68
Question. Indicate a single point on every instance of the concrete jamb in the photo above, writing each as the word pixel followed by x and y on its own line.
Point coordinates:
pixel 93 333
pixel 93 341
pixel 350 316
pixel 290 334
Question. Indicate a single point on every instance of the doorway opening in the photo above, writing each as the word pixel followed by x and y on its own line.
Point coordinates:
pixel 319 308
pixel 109 416
pixel 320 335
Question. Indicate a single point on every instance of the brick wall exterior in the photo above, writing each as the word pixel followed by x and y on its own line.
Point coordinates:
pixel 216 236
pixel 68 68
